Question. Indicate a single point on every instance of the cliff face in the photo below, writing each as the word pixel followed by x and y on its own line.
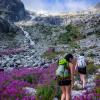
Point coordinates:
pixel 12 10
pixel 49 20
pixel 4 26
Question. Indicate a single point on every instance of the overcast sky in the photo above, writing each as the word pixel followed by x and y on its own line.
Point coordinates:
pixel 57 6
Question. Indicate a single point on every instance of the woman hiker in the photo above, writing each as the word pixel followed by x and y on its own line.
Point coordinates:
pixel 67 83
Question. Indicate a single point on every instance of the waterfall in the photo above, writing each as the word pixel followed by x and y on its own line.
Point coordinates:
pixel 28 37
pixel 32 17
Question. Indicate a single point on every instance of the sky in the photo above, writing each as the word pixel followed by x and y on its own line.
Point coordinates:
pixel 58 6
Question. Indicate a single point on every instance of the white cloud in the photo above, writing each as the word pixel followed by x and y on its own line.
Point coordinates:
pixel 56 7
pixel 34 5
pixel 74 6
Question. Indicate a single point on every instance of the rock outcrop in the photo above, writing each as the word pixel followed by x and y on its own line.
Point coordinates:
pixel 6 27
pixel 49 20
pixel 12 10
pixel 10 34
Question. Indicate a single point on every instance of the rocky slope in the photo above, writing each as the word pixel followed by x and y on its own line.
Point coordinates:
pixel 57 37
pixel 55 34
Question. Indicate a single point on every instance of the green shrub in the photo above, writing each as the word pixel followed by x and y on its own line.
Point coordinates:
pixel 98 34
pixel 31 79
pixel 45 93
pixel 74 45
pixel 51 55
pixel 91 68
pixel 98 90
pixel 91 54
pixel 98 77
pixel 48 92
pixel 72 33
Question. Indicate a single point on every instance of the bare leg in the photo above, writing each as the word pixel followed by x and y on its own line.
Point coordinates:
pixel 84 81
pixel 82 77
pixel 68 92
pixel 63 96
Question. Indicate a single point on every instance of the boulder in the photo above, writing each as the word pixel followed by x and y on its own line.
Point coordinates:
pixel 30 91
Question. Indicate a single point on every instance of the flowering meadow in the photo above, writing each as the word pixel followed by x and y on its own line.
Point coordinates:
pixel 13 83
pixel 12 51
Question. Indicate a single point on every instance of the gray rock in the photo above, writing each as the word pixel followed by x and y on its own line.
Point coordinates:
pixel 8 69
pixel 89 31
pixel 55 98
pixel 99 70
pixel 30 91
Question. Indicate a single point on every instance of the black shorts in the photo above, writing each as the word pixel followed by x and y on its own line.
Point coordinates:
pixel 82 70
pixel 64 82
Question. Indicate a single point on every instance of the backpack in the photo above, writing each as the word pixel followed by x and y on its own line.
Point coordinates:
pixel 62 69
pixel 81 62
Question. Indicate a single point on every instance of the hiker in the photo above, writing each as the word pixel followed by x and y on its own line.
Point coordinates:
pixel 81 67
pixel 66 78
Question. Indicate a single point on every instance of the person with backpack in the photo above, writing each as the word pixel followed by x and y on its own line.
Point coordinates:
pixel 65 76
pixel 81 66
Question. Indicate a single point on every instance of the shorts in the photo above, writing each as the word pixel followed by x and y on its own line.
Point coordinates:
pixel 82 70
pixel 64 82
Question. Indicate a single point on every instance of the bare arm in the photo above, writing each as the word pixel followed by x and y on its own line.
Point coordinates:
pixel 86 61
pixel 76 65
pixel 72 72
